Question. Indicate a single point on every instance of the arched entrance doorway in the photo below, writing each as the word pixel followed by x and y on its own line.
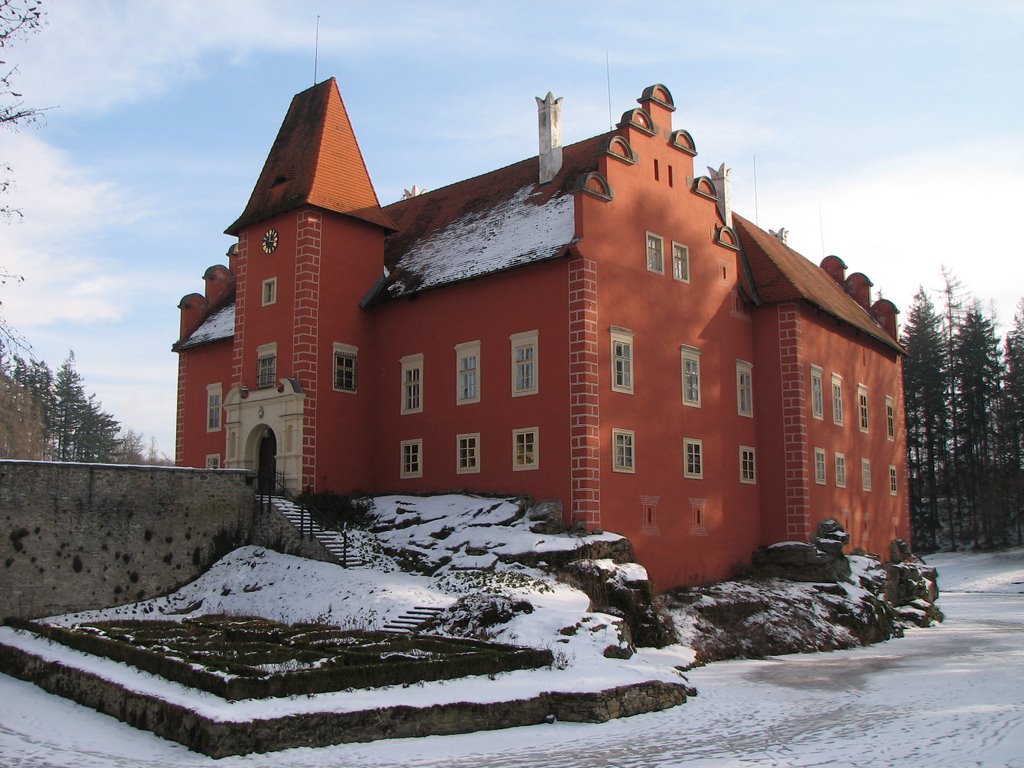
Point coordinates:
pixel 266 463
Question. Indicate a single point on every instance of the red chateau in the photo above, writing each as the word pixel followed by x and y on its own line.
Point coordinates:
pixel 593 325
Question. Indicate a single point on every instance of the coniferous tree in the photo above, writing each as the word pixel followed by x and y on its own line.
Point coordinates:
pixel 1011 426
pixel 977 371
pixel 924 385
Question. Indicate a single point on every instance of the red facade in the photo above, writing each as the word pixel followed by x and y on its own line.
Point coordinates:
pixel 613 338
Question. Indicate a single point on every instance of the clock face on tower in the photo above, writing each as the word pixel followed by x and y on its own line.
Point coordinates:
pixel 270 241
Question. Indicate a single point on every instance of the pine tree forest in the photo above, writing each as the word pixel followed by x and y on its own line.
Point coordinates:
pixel 964 395
pixel 47 415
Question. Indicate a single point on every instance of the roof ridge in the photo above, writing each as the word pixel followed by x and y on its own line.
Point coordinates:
pixel 499 169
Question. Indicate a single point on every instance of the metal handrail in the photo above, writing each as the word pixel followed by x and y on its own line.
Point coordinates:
pixel 306 512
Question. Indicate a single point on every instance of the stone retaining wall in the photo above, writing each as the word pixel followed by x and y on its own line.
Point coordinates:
pixel 81 536
pixel 220 739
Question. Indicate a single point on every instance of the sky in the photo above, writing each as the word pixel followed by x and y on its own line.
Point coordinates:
pixel 886 133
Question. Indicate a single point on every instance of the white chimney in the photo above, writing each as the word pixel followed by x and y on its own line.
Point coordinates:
pixel 720 176
pixel 549 122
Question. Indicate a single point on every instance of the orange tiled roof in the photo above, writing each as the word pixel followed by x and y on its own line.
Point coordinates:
pixel 316 161
pixel 781 274
pixel 489 223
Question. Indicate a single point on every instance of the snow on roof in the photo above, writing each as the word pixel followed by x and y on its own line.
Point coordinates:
pixel 220 325
pixel 513 232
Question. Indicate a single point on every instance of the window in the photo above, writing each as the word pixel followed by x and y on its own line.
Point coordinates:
pixel 655 254
pixel 890 418
pixel 467 372
pixel 270 291
pixel 622 360
pixel 526 448
pixel 412 384
pixel 214 401
pixel 524 363
pixel 468 453
pixel 649 510
pixel 346 359
pixel 698 507
pixel 748 470
pixel 412 458
pixel 213 461
pixel 693 458
pixel 892 480
pixel 819 466
pixel 837 399
pixel 680 262
pixel 691 375
pixel 622 447
pixel 744 388
pixel 817 393
pixel 266 366
pixel 840 471
pixel 865 474
pixel 862 404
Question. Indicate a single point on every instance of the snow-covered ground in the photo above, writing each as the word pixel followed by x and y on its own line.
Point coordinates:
pixel 949 695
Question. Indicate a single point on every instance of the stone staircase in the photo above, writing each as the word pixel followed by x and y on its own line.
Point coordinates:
pixel 332 541
pixel 413 619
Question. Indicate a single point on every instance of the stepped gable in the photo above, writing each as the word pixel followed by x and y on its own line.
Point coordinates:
pixel 315 161
pixel 486 224
pixel 781 274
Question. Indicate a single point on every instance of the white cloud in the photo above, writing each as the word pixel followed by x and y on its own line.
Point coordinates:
pixel 56 247
pixel 900 220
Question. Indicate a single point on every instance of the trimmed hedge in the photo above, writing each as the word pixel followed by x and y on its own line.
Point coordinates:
pixel 355 659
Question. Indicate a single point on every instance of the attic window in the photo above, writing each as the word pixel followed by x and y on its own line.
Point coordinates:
pixel 279 180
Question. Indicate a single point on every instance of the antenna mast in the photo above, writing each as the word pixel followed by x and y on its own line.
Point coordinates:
pixel 757 219
pixel 608 76
pixel 316 47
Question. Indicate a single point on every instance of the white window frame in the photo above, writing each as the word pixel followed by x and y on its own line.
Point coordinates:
pixel 864 413
pixel 837 400
pixel 345 352
pixel 525 462
pixel 525 356
pixel 467 372
pixel 266 372
pixel 820 467
pixel 840 465
pixel 745 405
pixel 623 450
pixel 890 418
pixel 688 354
pixel 654 249
pixel 680 262
pixel 213 461
pixel 269 292
pixel 467 453
pixel 214 410
pixel 692 447
pixel 865 474
pixel 411 459
pixel 892 480
pixel 622 370
pixel 748 465
pixel 817 392
pixel 412 384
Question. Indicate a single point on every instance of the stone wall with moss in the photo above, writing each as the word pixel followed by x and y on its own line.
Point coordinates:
pixel 81 536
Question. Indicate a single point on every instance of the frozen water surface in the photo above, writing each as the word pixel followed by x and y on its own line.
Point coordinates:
pixel 951 695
